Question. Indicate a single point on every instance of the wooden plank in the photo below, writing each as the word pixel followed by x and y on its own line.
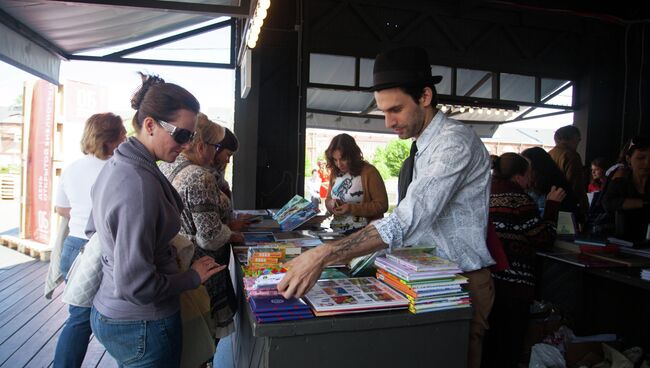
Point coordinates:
pixel 32 303
pixel 20 329
pixel 9 288
pixel 45 330
pixel 31 293
pixel 18 269
pixel 107 361
pixel 94 354
pixel 45 356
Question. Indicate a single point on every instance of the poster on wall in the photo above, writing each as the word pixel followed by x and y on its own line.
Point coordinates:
pixel 39 162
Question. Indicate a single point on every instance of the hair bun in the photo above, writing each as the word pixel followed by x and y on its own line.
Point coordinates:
pixel 147 82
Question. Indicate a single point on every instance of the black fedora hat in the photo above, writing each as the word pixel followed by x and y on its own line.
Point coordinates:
pixel 402 67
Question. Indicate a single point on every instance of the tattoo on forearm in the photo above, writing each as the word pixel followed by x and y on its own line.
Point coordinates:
pixel 348 246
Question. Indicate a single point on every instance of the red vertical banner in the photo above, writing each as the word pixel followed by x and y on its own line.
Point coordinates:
pixel 39 161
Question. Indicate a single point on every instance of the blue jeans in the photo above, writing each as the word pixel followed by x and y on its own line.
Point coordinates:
pixel 135 343
pixel 73 341
pixel 223 357
pixel 71 247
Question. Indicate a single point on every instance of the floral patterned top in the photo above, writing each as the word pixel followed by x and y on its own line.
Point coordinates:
pixel 203 220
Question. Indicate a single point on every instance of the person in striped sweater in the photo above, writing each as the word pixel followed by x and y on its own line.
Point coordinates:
pixel 521 230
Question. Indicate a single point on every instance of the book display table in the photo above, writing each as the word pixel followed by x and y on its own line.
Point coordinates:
pixel 597 297
pixel 379 339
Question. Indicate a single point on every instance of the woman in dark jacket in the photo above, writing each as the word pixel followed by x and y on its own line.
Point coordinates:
pixel 628 194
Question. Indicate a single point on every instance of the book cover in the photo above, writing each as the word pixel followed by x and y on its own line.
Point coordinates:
pixel 353 294
pixel 362 266
pixel 293 317
pixel 411 275
pixel 252 238
pixel 276 303
pixel 420 259
pixel 293 214
pixel 287 236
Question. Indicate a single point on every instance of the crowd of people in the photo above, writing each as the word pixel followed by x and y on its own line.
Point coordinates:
pixel 451 193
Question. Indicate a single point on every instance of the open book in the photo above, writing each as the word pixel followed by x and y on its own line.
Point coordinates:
pixel 293 214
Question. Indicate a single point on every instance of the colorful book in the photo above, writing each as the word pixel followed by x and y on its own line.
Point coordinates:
pixel 353 295
pixel 253 238
pixel 420 259
pixel 293 214
pixel 282 318
pixel 276 304
pixel 411 275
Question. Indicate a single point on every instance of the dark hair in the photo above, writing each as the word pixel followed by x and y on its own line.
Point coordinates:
pixel 566 133
pixel 416 91
pixel 160 100
pixel 100 130
pixel 229 141
pixel 508 165
pixel 345 144
pixel 546 173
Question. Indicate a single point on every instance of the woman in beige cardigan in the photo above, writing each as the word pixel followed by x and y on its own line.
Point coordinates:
pixel 357 193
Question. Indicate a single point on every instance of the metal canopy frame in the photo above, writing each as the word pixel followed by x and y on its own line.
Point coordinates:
pixel 120 56
pixel 243 10
pixel 453 99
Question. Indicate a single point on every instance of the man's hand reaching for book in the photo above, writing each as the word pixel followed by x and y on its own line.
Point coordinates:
pixel 303 272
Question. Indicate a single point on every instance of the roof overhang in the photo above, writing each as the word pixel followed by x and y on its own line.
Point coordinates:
pixel 37 34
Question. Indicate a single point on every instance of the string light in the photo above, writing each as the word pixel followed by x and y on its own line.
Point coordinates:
pixel 257 22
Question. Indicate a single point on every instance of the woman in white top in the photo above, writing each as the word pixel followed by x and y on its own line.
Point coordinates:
pixel 102 134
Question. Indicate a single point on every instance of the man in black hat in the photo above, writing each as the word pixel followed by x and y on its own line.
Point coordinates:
pixel 445 187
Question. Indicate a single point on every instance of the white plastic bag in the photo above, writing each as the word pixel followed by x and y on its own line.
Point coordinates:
pixel 546 356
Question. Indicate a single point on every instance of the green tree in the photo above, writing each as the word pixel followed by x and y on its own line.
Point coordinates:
pixel 379 161
pixel 396 152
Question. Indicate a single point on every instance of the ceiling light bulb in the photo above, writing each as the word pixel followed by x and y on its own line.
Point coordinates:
pixel 488 111
pixel 264 4
pixel 471 110
pixel 444 108
pixel 462 109
pixel 261 13
pixel 497 112
pixel 251 44
pixel 480 110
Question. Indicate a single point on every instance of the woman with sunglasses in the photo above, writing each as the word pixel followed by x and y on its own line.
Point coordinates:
pixel 136 213
pixel 628 193
pixel 204 217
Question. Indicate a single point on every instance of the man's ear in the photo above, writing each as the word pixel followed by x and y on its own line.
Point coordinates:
pixel 427 95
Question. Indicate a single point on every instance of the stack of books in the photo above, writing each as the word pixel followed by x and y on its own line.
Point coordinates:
pixel 353 295
pixel 262 257
pixel 277 308
pixel 430 283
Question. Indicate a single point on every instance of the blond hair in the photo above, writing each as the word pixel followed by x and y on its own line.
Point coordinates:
pixel 100 130
pixel 207 131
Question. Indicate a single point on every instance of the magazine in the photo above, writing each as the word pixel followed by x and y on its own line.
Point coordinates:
pixel 293 214
pixel 353 295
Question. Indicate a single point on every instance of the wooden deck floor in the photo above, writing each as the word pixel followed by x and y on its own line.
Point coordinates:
pixel 29 323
